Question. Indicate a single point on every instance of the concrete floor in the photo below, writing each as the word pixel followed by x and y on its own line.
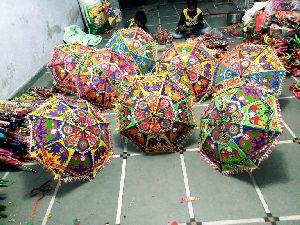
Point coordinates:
pixel 138 189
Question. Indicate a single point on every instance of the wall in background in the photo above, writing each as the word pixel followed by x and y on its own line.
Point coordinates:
pixel 29 31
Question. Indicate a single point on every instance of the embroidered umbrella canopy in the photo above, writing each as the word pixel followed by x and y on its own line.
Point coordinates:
pixel 255 63
pixel 102 77
pixel 239 128
pixel 65 59
pixel 71 138
pixel 137 45
pixel 190 64
pixel 155 113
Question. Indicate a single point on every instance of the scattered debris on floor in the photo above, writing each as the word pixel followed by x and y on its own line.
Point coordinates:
pixel 76 222
pixel 296 140
pixel 189 199
pixel 44 189
pixel 174 223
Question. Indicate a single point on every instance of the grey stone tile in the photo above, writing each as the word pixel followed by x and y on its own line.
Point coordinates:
pixel 153 188
pixel 221 197
pixel 18 201
pixel 279 180
pixel 93 202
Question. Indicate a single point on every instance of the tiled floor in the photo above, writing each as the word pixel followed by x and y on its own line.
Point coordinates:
pixel 139 189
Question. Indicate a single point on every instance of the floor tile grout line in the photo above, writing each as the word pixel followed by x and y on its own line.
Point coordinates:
pixel 295 78
pixel 122 182
pixel 176 10
pixel 5 175
pixel 287 97
pixel 170 23
pixel 201 105
pixel 285 218
pixel 187 188
pixel 286 142
pixel 238 221
pixel 289 129
pixel 139 154
pixel 250 220
pixel 169 16
pixel 50 205
pixel 159 22
pixel 259 193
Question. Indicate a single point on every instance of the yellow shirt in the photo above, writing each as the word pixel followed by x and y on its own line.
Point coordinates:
pixel 191 21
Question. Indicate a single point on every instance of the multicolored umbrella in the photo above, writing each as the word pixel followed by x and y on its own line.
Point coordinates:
pixel 71 138
pixel 255 63
pixel 138 46
pixel 190 64
pixel 14 130
pixel 156 114
pixel 65 59
pixel 239 128
pixel 102 76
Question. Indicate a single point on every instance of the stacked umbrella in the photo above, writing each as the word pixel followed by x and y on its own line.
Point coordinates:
pixel 243 121
pixel 96 75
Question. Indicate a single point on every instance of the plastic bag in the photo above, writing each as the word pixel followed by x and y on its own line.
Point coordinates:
pixel 99 16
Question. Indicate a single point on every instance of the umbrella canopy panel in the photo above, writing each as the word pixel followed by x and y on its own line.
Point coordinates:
pixel 256 63
pixel 137 45
pixel 190 64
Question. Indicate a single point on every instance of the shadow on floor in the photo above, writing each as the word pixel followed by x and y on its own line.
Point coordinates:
pixel 265 175
pixel 284 103
pixel 118 144
pixel 69 187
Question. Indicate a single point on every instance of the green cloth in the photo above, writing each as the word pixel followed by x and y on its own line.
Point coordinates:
pixel 74 34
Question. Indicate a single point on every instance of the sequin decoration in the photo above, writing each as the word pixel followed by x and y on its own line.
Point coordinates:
pixel 239 128
pixel 102 76
pixel 156 114
pixel 255 63
pixel 190 64
pixel 138 46
pixel 70 138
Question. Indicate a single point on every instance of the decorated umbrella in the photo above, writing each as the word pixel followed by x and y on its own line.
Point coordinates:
pixel 71 138
pixel 255 63
pixel 102 76
pixel 65 59
pixel 239 128
pixel 190 64
pixel 155 113
pixel 138 46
